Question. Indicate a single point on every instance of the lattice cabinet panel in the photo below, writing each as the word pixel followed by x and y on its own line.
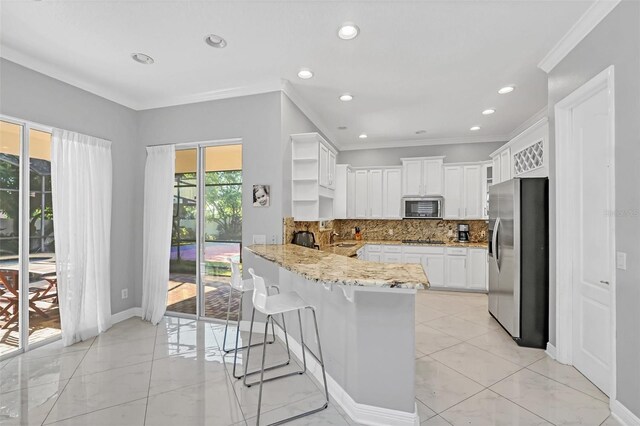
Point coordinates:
pixel 528 159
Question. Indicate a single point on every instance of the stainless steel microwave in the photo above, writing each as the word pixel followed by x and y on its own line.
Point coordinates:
pixel 422 208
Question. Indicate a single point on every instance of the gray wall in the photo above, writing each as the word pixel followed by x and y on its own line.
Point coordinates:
pixel 615 41
pixel 255 119
pixel 391 156
pixel 32 96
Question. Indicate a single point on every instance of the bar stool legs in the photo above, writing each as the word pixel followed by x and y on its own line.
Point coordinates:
pixel 235 348
pixel 305 348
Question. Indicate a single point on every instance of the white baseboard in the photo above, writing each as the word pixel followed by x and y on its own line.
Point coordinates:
pixel 360 413
pixel 126 314
pixel 623 415
pixel 551 350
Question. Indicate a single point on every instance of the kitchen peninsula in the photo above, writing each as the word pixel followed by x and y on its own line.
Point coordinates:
pixel 366 317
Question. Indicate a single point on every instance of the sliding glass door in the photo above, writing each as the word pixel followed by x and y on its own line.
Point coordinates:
pixel 28 285
pixel 207 229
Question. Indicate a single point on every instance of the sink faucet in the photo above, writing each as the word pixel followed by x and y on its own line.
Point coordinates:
pixel 332 237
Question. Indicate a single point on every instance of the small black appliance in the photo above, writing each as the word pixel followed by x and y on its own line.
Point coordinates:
pixel 463 233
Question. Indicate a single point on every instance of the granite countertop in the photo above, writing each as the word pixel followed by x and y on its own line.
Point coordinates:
pixel 335 268
pixel 351 251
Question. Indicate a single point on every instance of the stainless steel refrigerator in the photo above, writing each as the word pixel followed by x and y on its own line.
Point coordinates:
pixel 519 259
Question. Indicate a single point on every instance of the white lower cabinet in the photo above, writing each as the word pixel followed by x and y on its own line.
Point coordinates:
pixel 477 269
pixel 456 268
pixel 433 264
pixel 459 268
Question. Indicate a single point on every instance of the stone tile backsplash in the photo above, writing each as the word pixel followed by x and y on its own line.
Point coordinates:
pixel 392 230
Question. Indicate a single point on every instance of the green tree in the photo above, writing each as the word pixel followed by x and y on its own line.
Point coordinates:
pixel 223 197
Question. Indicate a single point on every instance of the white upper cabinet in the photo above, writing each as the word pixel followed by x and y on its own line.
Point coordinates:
pixel 392 193
pixel 412 177
pixel 453 184
pixel 463 192
pixel 351 193
pixel 331 172
pixel 324 166
pixel 375 194
pixel 422 176
pixel 526 155
pixel 495 167
pixel 361 190
pixel 432 176
pixel 341 194
pixel 505 165
pixel 472 192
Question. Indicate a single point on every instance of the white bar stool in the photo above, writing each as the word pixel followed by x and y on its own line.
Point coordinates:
pixel 279 304
pixel 244 286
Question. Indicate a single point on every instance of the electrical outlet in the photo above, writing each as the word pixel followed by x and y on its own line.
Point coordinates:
pixel 259 239
pixel 273 239
pixel 390 231
pixel 450 233
pixel 125 293
pixel 621 260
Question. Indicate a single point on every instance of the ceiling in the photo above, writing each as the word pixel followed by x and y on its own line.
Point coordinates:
pixel 416 65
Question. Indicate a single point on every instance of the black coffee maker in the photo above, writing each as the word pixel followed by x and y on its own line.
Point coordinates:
pixel 463 233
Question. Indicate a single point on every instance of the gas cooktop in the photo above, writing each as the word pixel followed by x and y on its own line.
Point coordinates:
pixel 423 241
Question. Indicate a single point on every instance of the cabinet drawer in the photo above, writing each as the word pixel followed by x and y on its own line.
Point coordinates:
pixel 423 250
pixel 373 248
pixel 392 249
pixel 392 258
pixel 457 251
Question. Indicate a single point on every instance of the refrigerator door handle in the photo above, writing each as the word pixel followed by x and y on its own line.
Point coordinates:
pixel 494 243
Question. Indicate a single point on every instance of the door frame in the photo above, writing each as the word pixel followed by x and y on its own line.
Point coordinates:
pixel 565 169
pixel 200 163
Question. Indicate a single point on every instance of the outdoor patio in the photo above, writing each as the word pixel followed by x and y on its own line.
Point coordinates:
pixel 40 328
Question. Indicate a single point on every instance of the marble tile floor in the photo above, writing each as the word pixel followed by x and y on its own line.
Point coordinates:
pixel 468 371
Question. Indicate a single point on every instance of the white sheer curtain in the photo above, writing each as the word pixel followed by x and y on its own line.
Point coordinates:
pixel 159 175
pixel 81 191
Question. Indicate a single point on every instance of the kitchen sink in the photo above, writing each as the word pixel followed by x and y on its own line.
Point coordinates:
pixel 345 245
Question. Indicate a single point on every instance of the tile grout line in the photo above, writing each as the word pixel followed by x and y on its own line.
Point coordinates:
pixel 155 341
pixel 485 388
pixel 569 386
pixel 68 380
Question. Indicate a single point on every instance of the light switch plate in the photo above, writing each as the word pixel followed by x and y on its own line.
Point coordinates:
pixel 621 260
pixel 259 239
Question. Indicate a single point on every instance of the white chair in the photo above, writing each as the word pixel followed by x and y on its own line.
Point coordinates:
pixel 279 304
pixel 244 286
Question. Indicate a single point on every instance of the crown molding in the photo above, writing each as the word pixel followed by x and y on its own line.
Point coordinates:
pixel 587 22
pixel 538 116
pixel 49 70
pixel 213 95
pixel 422 142
pixel 59 74
pixel 293 95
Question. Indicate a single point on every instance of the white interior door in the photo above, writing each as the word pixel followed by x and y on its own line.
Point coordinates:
pixel 593 268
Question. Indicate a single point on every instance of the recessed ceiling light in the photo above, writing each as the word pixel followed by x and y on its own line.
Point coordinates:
pixel 348 31
pixel 488 111
pixel 346 97
pixel 475 128
pixel 363 136
pixel 215 41
pixel 506 89
pixel 305 73
pixel 342 127
pixel 142 58
pixel 420 132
